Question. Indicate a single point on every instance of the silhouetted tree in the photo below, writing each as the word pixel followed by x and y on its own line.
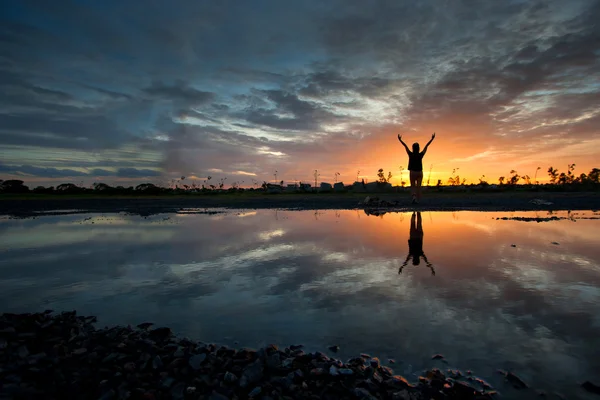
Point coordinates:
pixel 501 180
pixel 594 175
pixel 13 186
pixel 570 174
pixel 553 173
pixel 69 188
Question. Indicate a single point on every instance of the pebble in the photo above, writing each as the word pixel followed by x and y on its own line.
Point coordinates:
pixel 197 360
pixel 255 392
pixel 591 387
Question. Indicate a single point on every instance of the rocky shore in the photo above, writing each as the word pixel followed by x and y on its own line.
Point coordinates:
pixel 60 356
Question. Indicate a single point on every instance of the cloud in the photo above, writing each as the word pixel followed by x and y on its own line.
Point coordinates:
pixel 179 91
pixel 30 170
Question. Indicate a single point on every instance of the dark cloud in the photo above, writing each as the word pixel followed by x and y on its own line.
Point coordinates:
pixel 179 91
pixel 30 170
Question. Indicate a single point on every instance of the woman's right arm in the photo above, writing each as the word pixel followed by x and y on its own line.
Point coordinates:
pixel 404 144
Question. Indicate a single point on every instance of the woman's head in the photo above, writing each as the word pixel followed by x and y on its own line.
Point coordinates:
pixel 416 147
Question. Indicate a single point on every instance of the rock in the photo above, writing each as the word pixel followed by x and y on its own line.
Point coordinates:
pixel 157 363
pixel 80 351
pixel 591 387
pixel 398 382
pixel 251 374
pixel 334 348
pixel 345 371
pixel 392 361
pixel 462 390
pixel 180 352
pixel 230 378
pixel 288 362
pixel 145 325
pixel 23 351
pixel 190 390
pixel 515 381
pixel 333 371
pixel 437 357
pixel 273 361
pixel 196 361
pixel 363 393
pixel 160 334
pixel 255 392
pixel 374 362
pixel 217 396
pixel 177 391
pixel 295 347
pixel 111 394
pixel 513 245
pixel 167 382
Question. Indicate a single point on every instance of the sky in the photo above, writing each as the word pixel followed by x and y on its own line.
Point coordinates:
pixel 126 92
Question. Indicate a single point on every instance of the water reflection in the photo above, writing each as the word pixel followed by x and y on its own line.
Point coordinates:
pixel 415 244
pixel 329 277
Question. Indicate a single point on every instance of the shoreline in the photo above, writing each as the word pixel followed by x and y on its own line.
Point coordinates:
pixel 58 355
pixel 432 201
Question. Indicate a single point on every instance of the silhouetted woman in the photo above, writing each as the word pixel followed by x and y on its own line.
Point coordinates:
pixel 415 166
pixel 415 244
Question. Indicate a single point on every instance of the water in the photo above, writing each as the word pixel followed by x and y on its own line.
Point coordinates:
pixel 506 294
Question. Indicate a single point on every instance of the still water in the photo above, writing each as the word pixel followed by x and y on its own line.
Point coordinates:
pixel 488 293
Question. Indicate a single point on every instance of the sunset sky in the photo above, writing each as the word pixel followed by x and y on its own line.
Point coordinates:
pixel 128 91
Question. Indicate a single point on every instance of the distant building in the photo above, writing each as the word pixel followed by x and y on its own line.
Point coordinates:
pixel 325 187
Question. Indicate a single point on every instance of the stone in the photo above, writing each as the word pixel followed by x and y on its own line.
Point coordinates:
pixel 230 378
pixel 157 363
pixel 334 348
pixel 437 357
pixel 255 392
pixel 515 381
pixel 345 371
pixel 333 371
pixel 196 361
pixel 80 351
pixel 167 382
pixel 251 374
pixel 591 387
pixel 160 334
pixel 177 391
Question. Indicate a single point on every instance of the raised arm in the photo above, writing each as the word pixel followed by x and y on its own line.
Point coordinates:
pixel 429 265
pixel 428 143
pixel 404 263
pixel 404 144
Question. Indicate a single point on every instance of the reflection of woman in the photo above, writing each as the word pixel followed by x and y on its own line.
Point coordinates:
pixel 415 243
